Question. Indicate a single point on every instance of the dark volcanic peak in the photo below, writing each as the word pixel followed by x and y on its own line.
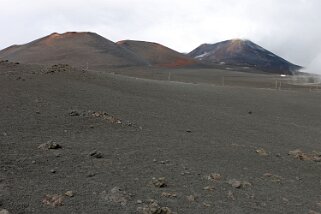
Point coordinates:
pixel 243 53
pixel 157 54
pixel 74 48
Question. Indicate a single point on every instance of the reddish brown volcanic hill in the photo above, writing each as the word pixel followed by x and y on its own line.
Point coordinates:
pixel 73 48
pixel 158 55
pixel 243 53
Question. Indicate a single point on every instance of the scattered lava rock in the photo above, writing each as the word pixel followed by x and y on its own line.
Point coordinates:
pixel 205 204
pixel 235 183
pixel 160 182
pixel 298 154
pixel 262 152
pixel 274 178
pixel 53 200
pixel 106 116
pixel 59 68
pixel 185 172
pixel 154 208
pixel 91 174
pixel 169 195
pixel 4 211
pixel 50 145
pixel 74 113
pixel 116 195
pixel 214 177
pixel 209 188
pixel 96 154
pixel 103 116
pixel 70 194
pixel 238 184
pixel 164 162
pixel 128 123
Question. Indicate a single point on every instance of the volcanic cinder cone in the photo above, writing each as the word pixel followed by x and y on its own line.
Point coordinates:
pixel 157 54
pixel 243 53
pixel 74 48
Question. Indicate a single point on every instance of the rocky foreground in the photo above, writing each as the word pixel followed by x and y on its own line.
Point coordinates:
pixel 76 141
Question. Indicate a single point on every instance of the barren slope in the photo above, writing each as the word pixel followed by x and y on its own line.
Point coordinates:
pixel 157 54
pixel 215 155
pixel 77 49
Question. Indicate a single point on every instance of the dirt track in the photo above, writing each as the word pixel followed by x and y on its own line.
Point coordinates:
pixel 183 132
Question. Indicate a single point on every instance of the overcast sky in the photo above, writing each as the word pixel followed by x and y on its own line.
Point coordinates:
pixel 289 28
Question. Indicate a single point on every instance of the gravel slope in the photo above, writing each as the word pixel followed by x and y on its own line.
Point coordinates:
pixel 183 132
